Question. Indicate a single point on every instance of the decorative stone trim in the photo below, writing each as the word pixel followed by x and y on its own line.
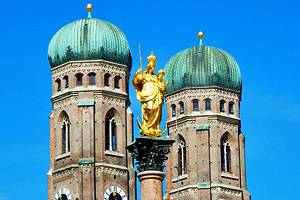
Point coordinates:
pixel 86 168
pixel 184 188
pixel 229 176
pixel 180 178
pixel 110 169
pixel 227 190
pixel 97 90
pixel 182 192
pixel 64 99
pixel 216 188
pixel 65 171
pixel 114 154
pixel 203 93
pixel 111 166
pixel 63 156
pixel 181 123
pixel 224 124
pixel 110 99
pixel 89 66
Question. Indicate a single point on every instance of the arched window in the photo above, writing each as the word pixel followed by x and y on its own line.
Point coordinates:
pixel 79 79
pixel 230 108
pixel 222 106
pixel 181 107
pixel 58 85
pixel 110 132
pixel 195 105
pixel 117 81
pixel 65 130
pixel 181 156
pixel 207 104
pixel 106 79
pixel 92 78
pixel 66 80
pixel 225 154
pixel 173 108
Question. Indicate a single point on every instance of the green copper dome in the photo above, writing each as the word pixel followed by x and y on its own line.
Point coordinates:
pixel 89 39
pixel 203 66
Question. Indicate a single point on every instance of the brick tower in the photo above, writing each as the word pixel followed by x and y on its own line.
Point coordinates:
pixel 203 116
pixel 90 121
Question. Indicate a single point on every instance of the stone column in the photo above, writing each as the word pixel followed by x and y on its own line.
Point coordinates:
pixel 150 154
pixel 151 185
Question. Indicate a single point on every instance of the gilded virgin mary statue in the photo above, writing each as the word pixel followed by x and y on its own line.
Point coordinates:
pixel 150 91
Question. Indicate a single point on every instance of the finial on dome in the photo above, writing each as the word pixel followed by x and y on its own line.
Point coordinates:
pixel 201 36
pixel 89 8
pixel 151 58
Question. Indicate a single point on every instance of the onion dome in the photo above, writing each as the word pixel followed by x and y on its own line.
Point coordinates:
pixel 203 67
pixel 89 39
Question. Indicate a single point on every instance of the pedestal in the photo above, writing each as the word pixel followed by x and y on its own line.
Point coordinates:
pixel 150 155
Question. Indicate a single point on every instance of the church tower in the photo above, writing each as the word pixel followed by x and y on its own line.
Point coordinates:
pixel 90 121
pixel 207 161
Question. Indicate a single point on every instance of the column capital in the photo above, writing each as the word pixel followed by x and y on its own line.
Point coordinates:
pixel 150 153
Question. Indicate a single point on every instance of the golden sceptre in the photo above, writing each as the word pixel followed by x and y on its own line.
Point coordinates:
pixel 141 63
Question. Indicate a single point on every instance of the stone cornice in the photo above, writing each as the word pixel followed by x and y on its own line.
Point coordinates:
pixel 65 171
pixel 110 169
pixel 190 120
pixel 226 189
pixel 203 93
pixel 100 167
pixel 88 64
pixel 203 90
pixel 185 189
pixel 97 91
pixel 215 188
pixel 98 164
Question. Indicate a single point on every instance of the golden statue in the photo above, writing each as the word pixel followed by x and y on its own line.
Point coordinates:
pixel 150 91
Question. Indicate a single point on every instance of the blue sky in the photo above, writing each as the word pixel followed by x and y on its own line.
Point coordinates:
pixel 263 36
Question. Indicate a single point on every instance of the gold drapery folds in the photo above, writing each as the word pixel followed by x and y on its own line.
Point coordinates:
pixel 150 91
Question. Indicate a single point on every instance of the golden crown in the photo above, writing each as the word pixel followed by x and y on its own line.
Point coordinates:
pixel 151 58
pixel 161 71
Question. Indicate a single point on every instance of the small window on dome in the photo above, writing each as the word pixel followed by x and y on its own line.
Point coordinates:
pixel 92 78
pixel 66 80
pixel 58 85
pixel 173 107
pixel 181 107
pixel 117 81
pixel 106 79
pixel 79 79
pixel 195 105
pixel 222 106
pixel 230 107
pixel 207 104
